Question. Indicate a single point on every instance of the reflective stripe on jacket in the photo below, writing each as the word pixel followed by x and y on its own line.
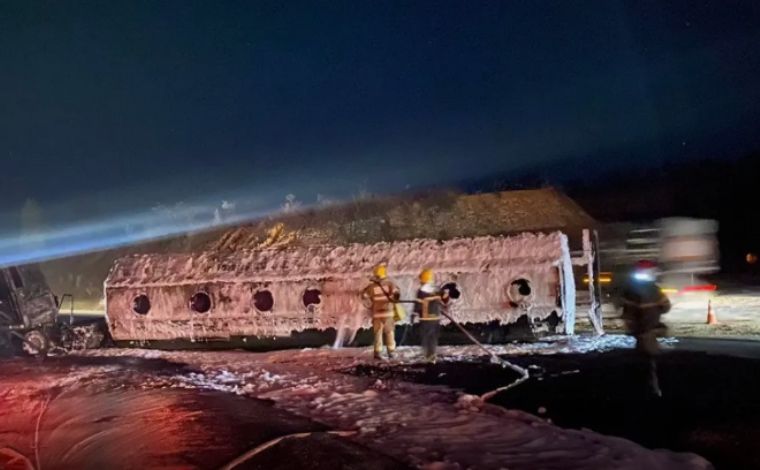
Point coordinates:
pixel 378 295
pixel 429 302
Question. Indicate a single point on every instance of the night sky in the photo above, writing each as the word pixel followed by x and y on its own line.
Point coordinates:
pixel 109 108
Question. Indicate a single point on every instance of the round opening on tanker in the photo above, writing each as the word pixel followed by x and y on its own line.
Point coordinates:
pixel 519 290
pixel 200 302
pixel 141 304
pixel 263 301
pixel 312 298
pixel 453 288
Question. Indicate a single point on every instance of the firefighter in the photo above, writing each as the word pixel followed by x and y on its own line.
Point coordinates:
pixel 643 305
pixel 431 299
pixel 380 296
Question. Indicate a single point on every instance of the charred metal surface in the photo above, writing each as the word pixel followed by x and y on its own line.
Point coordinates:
pixel 481 268
pixel 28 309
pixel 26 301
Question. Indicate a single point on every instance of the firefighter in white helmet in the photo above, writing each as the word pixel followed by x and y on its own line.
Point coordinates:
pixel 431 299
pixel 643 305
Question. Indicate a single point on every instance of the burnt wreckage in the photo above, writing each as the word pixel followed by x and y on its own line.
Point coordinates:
pixel 258 295
pixel 28 308
pixel 29 315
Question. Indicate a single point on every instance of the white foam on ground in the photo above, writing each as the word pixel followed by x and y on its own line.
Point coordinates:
pixel 428 426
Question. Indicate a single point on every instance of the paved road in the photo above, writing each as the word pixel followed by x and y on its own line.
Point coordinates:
pixel 108 413
pixel 748 348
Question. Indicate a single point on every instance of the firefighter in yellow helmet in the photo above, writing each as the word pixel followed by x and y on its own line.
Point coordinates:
pixel 380 296
pixel 431 299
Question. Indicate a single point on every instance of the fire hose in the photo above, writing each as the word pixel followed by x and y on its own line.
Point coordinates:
pixel 523 373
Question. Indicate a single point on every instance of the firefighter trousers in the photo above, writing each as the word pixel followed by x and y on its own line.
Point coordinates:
pixel 384 328
pixel 429 332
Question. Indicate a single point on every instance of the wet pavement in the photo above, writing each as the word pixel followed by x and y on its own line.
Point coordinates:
pixel 87 422
pixel 709 405
pixel 325 408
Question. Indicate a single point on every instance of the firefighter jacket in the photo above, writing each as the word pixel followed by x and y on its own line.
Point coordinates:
pixel 643 305
pixel 379 297
pixel 431 299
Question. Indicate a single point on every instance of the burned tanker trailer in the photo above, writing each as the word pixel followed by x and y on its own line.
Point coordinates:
pixel 311 296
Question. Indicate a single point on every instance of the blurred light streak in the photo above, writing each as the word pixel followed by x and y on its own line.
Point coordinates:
pixel 603 279
pixel 103 235
pixel 643 277
pixel 700 288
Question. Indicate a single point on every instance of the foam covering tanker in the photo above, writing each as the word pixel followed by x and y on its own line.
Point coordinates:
pixel 260 294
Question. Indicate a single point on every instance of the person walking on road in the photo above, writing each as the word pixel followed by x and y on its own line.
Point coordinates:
pixel 643 305
pixel 380 297
pixel 431 299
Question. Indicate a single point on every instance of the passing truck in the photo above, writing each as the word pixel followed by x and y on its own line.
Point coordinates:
pixel 686 251
pixel 688 248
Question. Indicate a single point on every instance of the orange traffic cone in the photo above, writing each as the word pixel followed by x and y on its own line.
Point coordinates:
pixel 711 318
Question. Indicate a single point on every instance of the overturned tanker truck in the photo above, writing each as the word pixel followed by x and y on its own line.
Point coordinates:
pixel 311 296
